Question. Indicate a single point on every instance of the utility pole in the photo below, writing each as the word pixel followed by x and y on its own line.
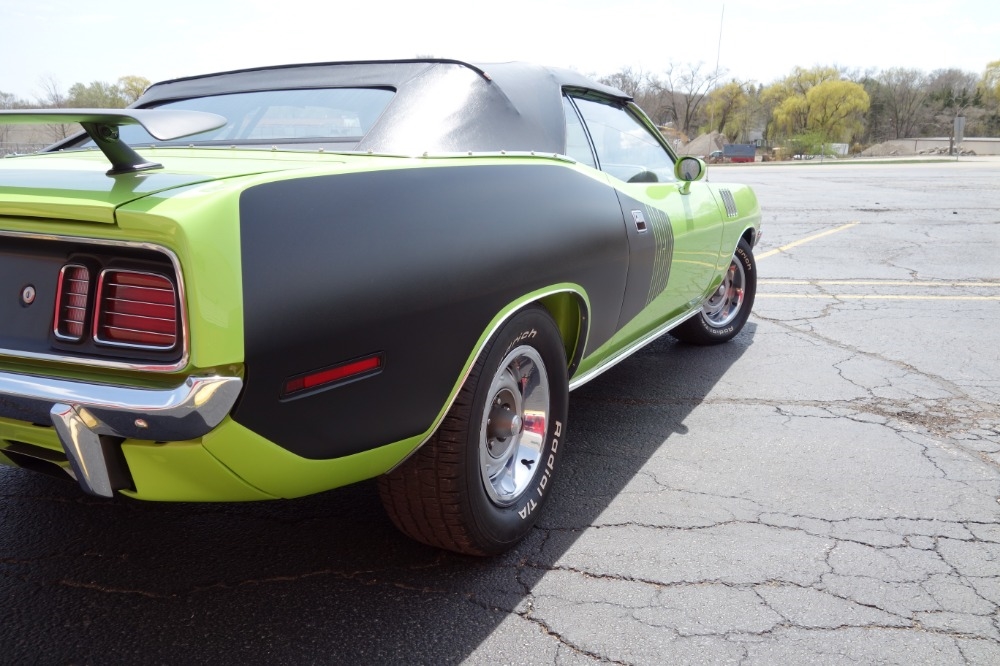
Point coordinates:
pixel 718 54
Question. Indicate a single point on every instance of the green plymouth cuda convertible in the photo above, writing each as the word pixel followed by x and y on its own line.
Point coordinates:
pixel 272 282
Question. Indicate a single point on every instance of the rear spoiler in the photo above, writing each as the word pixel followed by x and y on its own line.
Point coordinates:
pixel 102 126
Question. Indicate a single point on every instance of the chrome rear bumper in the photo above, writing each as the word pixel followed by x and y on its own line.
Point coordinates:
pixel 83 412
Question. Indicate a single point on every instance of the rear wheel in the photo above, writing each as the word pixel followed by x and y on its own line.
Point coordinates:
pixel 726 311
pixel 478 485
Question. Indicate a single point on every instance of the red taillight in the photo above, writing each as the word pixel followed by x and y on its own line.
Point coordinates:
pixel 136 310
pixel 71 302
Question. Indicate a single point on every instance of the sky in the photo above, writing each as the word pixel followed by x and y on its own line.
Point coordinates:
pixel 66 41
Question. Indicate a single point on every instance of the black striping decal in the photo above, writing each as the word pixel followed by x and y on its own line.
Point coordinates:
pixel 663 232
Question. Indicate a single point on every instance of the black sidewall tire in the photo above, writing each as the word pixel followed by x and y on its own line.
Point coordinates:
pixel 698 330
pixel 500 527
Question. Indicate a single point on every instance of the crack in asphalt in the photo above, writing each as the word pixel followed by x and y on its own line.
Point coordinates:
pixel 955 389
pixel 934 622
pixel 916 621
pixel 833 570
pixel 526 612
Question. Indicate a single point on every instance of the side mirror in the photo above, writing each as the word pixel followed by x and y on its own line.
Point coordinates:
pixel 689 169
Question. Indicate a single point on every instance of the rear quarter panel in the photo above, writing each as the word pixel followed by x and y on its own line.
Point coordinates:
pixel 414 263
pixel 199 224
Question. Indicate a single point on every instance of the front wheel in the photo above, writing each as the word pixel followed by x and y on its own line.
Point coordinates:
pixel 725 312
pixel 478 485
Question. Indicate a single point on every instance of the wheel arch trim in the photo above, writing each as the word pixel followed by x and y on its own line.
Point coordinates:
pixel 559 301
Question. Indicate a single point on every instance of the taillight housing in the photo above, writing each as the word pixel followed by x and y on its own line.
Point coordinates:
pixel 136 309
pixel 127 311
pixel 72 302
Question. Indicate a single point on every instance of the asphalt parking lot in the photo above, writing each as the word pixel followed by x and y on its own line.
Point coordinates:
pixel 822 490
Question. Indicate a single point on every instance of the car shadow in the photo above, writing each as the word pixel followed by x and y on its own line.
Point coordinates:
pixel 320 579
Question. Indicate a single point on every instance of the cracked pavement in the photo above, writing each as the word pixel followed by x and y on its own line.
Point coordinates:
pixel 824 489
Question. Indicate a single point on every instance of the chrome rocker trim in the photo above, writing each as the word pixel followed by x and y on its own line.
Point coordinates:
pixel 82 412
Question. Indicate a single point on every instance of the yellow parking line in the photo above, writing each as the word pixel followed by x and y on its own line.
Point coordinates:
pixel 868 283
pixel 880 283
pixel 807 239
pixel 880 297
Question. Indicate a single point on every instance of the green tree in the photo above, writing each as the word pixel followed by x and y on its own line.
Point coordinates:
pixel 96 95
pixel 990 86
pixel 725 106
pixel 837 109
pixel 816 101
pixel 786 99
pixel 791 115
pixel 991 79
pixel 798 83
pixel 132 87
pixel 104 95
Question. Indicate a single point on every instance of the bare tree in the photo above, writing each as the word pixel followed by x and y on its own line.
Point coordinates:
pixel 53 97
pixel 7 101
pixel 951 93
pixel 904 95
pixel 686 87
pixel 630 81
pixel 645 89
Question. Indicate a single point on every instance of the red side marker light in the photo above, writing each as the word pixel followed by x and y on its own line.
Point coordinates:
pixel 343 372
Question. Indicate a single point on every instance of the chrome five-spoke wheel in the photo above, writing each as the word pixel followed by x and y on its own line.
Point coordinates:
pixel 479 484
pixel 724 305
pixel 512 433
pixel 726 310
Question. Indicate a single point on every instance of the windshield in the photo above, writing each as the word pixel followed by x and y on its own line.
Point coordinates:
pixel 327 115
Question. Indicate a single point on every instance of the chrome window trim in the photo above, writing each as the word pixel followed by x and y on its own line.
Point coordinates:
pixel 181 363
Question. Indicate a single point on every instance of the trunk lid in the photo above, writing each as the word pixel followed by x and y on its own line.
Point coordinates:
pixel 75 185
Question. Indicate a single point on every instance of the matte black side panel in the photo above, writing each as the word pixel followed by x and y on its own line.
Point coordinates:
pixel 413 263
pixel 651 253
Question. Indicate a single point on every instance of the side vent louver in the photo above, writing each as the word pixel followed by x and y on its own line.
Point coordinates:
pixel 730 203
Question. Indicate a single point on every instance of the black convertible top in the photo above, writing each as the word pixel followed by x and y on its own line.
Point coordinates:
pixel 439 105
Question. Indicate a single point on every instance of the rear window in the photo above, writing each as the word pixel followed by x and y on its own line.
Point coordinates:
pixel 328 115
